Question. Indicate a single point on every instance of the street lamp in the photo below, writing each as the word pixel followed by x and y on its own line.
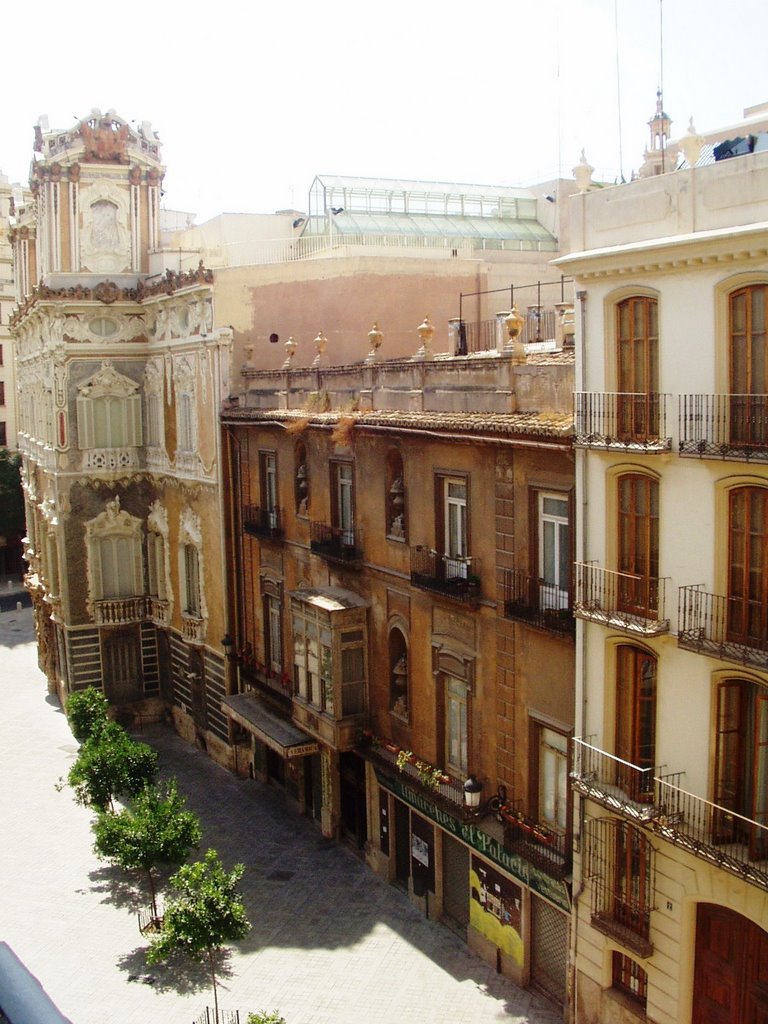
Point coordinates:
pixel 228 645
pixel 474 807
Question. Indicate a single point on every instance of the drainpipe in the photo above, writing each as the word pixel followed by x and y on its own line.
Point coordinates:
pixel 581 555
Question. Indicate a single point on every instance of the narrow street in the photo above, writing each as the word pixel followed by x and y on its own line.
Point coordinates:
pixel 330 944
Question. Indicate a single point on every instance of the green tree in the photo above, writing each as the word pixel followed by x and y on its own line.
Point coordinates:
pixel 156 829
pixel 266 1018
pixel 205 912
pixel 110 764
pixel 87 712
pixel 11 494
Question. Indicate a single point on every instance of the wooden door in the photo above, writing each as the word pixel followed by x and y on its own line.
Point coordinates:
pixel 730 984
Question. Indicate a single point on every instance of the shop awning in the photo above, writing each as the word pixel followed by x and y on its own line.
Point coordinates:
pixel 252 713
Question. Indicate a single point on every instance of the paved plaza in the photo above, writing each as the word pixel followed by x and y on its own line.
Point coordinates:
pixel 330 944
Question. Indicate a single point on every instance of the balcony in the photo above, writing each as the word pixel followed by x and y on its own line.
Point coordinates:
pixel 732 629
pixel 720 836
pixel 724 427
pixel 119 611
pixel 192 628
pixel 110 459
pixel 449 793
pixel 540 845
pixel 335 544
pixel 454 578
pixel 620 600
pixel 621 421
pixel 616 784
pixel 266 523
pixel 541 605
pixel 159 611
pixel 258 676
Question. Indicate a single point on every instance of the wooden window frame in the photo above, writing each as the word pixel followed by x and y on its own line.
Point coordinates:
pixel 452 565
pixel 630 719
pixel 338 515
pixel 538 728
pixel 747 604
pixel 629 977
pixel 637 544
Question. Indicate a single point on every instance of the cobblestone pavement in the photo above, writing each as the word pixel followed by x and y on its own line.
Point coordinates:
pixel 331 943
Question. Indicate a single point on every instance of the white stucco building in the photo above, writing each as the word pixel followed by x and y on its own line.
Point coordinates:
pixel 670 763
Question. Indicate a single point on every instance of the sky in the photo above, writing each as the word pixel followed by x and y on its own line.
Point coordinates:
pixel 252 101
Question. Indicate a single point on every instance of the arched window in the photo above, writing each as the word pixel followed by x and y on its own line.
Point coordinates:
pixel 113 541
pixel 747 568
pixel 638 544
pixel 629 977
pixel 398 675
pixel 301 480
pixel 748 365
pixel 637 361
pixel 741 764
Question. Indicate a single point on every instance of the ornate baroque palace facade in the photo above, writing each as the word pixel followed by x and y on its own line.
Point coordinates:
pixel 120 376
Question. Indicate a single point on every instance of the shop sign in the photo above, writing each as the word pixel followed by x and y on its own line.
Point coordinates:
pixel 549 888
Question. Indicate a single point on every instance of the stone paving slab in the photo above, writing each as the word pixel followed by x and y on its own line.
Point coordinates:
pixel 331 943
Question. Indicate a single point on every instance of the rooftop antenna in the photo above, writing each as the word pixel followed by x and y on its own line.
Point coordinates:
pixel 618 83
pixel 661 81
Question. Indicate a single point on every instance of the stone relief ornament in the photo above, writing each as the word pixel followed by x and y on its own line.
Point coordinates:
pixel 193 317
pixel 99 328
pixel 157 519
pixel 190 531
pixel 168 377
pixel 161 323
pixel 105 242
pixel 153 377
pixel 107 381
pixel 183 376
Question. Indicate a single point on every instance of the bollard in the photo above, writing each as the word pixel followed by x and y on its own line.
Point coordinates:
pixel 18 606
pixel 10 584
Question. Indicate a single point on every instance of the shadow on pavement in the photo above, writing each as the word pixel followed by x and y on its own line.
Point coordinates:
pixel 178 973
pixel 301 890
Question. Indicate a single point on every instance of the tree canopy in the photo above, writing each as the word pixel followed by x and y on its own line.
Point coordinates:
pixel 203 914
pixel 110 764
pixel 156 829
pixel 11 494
pixel 87 712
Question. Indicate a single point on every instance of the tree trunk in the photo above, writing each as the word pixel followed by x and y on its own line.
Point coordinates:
pixel 213 980
pixel 153 895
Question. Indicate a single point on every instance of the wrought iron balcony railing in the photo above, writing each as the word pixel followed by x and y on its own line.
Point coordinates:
pixel 719 835
pixel 546 848
pixel 731 628
pixel 616 784
pixel 119 611
pixel 335 543
pixel 621 420
pixel 263 522
pixel 543 605
pixel 724 426
pixel 619 599
pixel 456 578
pixel 449 791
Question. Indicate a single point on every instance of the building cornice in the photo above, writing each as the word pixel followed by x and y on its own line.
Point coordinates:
pixel 698 249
